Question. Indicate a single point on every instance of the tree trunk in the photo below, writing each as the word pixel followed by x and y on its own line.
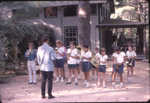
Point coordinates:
pixel 84 23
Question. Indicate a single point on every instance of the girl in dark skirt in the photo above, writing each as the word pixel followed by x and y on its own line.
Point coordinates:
pixel 102 67
pixel 59 62
pixel 72 53
pixel 131 55
pixel 86 56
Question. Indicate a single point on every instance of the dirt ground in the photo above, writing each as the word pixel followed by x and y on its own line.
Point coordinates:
pixel 136 89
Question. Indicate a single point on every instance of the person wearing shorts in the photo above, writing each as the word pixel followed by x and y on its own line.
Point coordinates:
pixel 95 63
pixel 102 67
pixel 86 56
pixel 118 66
pixel 78 62
pixel 131 55
pixel 59 62
pixel 72 53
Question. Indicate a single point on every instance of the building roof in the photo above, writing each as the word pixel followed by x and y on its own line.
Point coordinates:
pixel 115 23
pixel 23 4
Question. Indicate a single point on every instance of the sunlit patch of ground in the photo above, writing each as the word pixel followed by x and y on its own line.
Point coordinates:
pixel 136 89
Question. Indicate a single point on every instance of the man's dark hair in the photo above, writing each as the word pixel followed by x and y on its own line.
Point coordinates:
pixel 86 46
pixel 45 39
pixel 118 48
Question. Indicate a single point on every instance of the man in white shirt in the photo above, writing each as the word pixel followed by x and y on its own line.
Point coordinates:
pixel 45 57
pixel 72 53
pixel 118 66
pixel 59 63
pixel 131 55
pixel 86 56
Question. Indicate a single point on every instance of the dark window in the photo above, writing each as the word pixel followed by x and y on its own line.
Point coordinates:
pixel 26 13
pixel 70 34
pixel 93 9
pixel 50 12
pixel 70 11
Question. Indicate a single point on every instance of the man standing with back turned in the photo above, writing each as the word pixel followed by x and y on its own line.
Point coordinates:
pixel 45 57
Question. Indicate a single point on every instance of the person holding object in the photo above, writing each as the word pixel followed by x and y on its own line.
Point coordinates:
pixel 45 57
pixel 30 54
pixel 131 55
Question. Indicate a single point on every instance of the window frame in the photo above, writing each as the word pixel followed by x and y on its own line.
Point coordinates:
pixel 50 16
pixel 68 7
pixel 69 35
pixel 95 9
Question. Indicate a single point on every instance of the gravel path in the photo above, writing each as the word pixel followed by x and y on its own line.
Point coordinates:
pixel 137 89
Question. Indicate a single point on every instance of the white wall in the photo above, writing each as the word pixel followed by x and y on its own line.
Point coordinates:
pixel 58 23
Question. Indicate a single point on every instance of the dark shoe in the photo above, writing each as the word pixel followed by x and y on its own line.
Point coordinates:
pixel 76 83
pixel 43 97
pixel 50 97
pixel 30 83
pixel 68 83
pixel 34 83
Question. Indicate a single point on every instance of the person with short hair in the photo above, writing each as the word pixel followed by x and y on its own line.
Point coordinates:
pixel 45 57
pixel 86 56
pixel 59 63
pixel 131 55
pixel 119 58
pixel 102 67
pixel 72 53
pixel 30 54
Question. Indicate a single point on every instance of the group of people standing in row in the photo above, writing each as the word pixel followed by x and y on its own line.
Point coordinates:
pixel 77 59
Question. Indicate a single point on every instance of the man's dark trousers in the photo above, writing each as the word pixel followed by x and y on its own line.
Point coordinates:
pixel 47 75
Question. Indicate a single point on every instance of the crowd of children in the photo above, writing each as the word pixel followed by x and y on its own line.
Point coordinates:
pixel 82 59
pixel 78 61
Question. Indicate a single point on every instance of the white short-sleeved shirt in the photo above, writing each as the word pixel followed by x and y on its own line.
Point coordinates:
pixel 102 59
pixel 73 52
pixel 87 54
pixel 79 59
pixel 131 54
pixel 119 57
pixel 60 50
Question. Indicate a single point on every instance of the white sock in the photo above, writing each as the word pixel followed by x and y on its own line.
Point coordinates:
pixel 69 80
pixel 76 80
pixel 113 83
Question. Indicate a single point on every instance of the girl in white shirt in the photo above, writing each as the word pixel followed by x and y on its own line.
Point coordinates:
pixel 59 64
pixel 119 58
pixel 72 54
pixel 102 67
pixel 86 56
pixel 131 55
